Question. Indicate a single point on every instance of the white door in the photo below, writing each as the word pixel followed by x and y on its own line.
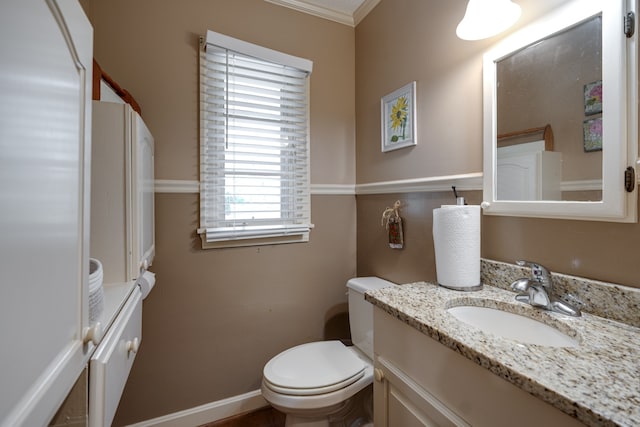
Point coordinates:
pixel 45 123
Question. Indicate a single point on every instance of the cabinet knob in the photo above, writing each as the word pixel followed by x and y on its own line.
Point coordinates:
pixel 485 205
pixel 378 374
pixel 93 333
pixel 133 345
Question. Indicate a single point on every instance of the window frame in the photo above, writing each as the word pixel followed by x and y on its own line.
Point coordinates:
pixel 217 231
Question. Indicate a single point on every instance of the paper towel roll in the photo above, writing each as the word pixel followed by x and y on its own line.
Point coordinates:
pixel 146 283
pixel 456 239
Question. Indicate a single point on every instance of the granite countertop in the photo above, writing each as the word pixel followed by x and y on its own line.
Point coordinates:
pixel 597 382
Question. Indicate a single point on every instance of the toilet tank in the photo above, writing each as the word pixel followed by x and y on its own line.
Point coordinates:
pixel 361 311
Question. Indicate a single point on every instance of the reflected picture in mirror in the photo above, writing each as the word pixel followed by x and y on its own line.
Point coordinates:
pixel 545 93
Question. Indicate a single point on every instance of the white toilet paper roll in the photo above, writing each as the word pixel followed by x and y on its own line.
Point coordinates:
pixel 456 239
pixel 146 282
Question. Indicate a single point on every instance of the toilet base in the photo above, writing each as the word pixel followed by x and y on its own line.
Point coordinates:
pixel 354 412
pixel 294 421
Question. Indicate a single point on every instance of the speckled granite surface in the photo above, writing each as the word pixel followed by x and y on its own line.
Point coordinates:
pixel 597 382
pixel 621 303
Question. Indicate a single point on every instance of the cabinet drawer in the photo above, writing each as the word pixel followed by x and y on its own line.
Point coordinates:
pixel 112 361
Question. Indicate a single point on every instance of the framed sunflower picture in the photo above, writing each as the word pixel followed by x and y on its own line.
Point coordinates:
pixel 398 118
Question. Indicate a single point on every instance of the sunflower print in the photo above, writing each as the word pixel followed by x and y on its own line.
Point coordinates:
pixel 399 113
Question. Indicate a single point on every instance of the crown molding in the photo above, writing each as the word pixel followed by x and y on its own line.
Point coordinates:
pixel 319 11
pixel 363 10
pixel 330 14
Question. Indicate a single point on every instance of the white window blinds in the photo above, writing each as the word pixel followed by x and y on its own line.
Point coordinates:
pixel 254 154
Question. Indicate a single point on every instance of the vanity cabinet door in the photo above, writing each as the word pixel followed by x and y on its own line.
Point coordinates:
pixel 400 401
pixel 45 128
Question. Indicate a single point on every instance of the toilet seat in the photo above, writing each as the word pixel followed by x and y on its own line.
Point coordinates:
pixel 312 369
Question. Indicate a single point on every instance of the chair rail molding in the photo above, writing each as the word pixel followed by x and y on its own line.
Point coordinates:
pixel 193 186
pixel 468 182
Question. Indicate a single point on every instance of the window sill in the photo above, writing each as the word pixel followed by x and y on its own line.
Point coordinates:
pixel 258 241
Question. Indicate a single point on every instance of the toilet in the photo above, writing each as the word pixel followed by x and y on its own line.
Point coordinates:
pixel 327 383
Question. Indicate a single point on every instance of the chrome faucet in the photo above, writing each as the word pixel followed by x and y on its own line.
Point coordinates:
pixel 538 290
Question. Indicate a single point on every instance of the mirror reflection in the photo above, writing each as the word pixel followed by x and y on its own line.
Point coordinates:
pixel 549 118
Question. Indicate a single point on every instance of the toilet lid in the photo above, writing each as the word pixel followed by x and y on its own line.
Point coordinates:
pixel 314 368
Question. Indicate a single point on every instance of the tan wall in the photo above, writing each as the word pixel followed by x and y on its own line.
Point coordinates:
pixel 216 316
pixel 151 49
pixel 405 40
pixel 596 250
pixel 416 261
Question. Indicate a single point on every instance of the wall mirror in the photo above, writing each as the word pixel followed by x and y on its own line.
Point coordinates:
pixel 560 116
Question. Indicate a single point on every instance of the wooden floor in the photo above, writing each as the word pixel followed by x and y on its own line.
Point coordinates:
pixel 265 417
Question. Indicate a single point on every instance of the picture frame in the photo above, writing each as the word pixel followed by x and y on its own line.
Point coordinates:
pixel 592 130
pixel 398 118
pixel 593 98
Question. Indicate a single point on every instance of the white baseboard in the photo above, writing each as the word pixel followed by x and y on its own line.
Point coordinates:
pixel 209 412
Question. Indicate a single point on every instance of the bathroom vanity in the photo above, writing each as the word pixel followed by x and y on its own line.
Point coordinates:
pixel 433 369
pixel 421 382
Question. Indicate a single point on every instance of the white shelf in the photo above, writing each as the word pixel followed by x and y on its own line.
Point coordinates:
pixel 115 295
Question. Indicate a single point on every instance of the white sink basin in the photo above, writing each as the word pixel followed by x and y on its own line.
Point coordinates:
pixel 512 326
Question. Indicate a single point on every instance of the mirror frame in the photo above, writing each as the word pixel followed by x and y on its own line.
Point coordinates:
pixel 620 119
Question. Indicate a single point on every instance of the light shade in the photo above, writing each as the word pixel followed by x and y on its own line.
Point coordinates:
pixel 486 18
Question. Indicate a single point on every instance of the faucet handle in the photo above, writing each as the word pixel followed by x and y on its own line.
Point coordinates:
pixel 521 285
pixel 539 273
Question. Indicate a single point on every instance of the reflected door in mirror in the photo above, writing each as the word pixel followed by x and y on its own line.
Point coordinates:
pixel 557 81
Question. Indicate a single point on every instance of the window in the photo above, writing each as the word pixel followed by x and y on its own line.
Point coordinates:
pixel 254 153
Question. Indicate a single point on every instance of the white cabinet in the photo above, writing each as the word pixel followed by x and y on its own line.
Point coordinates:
pixel 122 200
pixel 122 238
pixel 111 363
pixel 528 172
pixel 420 382
pixel 45 124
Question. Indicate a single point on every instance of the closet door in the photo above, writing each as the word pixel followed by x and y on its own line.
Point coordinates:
pixel 45 123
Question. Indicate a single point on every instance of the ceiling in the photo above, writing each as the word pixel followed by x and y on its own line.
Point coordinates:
pixel 348 12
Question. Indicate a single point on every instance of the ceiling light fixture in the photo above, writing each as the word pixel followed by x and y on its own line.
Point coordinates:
pixel 486 18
